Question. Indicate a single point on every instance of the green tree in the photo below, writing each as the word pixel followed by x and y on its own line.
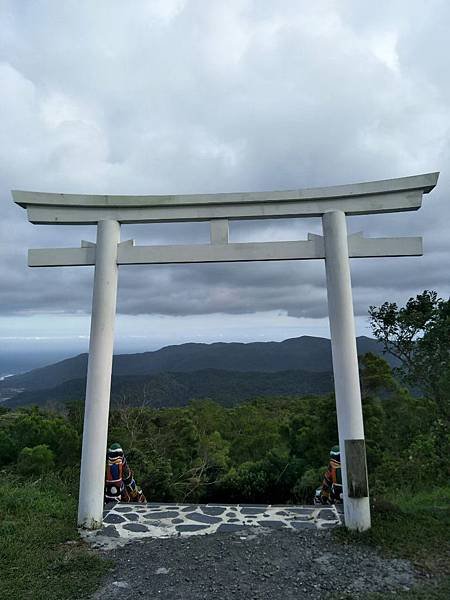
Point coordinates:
pixel 416 437
pixel 311 431
pixel 35 461
pixel 32 427
pixel 418 335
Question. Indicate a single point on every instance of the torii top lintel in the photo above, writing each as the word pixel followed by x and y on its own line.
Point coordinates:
pixel 389 195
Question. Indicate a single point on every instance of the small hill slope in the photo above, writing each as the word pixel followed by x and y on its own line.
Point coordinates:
pixel 177 389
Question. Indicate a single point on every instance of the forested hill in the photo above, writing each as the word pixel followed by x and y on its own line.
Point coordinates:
pixel 305 353
pixel 177 389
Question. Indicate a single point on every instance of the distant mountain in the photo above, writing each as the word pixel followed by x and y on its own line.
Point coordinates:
pixel 177 389
pixel 305 353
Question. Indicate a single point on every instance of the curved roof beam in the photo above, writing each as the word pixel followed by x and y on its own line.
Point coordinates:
pixel 388 195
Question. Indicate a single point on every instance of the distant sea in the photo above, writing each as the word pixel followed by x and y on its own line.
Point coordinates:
pixel 13 363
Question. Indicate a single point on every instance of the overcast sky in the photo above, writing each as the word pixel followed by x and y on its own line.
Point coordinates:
pixel 185 96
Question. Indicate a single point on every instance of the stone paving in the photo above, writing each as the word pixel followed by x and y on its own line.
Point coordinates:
pixel 126 522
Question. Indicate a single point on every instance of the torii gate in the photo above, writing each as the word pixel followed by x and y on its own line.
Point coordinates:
pixel 332 204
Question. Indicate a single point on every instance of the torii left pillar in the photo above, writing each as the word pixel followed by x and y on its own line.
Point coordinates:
pixel 98 386
pixel 346 373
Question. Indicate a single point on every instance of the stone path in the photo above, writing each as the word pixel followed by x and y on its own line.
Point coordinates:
pixel 126 522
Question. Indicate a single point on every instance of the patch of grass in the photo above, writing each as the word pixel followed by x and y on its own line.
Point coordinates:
pixel 434 499
pixel 416 526
pixel 40 551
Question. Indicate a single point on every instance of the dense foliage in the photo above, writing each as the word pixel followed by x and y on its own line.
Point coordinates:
pixel 178 389
pixel 268 450
pixel 418 335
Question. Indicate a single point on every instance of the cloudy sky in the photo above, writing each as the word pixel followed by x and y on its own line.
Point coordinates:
pixel 185 96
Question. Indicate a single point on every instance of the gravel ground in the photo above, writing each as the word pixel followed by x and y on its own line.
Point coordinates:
pixel 251 565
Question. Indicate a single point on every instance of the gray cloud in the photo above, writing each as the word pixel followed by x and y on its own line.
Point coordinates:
pixel 176 96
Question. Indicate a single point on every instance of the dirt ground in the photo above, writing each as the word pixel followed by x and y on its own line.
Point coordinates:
pixel 255 564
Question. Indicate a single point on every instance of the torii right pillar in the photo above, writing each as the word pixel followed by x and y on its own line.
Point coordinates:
pixel 346 373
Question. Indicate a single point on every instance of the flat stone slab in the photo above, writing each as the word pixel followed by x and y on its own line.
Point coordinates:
pixel 137 527
pixel 126 522
pixel 109 531
pixel 191 527
pixel 201 518
pixel 189 508
pixel 113 517
pixel 302 510
pixel 272 524
pixel 229 527
pixel 306 525
pixel 213 510
pixel 327 514
pixel 132 516
pixel 123 508
pixel 250 510
pixel 168 514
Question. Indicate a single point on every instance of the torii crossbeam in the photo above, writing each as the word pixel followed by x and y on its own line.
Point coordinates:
pixel 332 204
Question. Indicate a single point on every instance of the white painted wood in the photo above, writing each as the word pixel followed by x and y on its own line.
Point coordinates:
pixel 205 253
pixel 128 254
pixel 359 198
pixel 357 205
pixel 360 247
pixel 425 183
pixel 98 387
pixel 345 358
pixel 219 231
pixel 61 257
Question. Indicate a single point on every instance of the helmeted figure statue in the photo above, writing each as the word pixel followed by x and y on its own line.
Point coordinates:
pixel 120 485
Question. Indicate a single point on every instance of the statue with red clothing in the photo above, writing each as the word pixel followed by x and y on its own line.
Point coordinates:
pixel 120 485
pixel 331 490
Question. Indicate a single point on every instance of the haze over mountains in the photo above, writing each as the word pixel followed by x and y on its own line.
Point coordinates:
pixel 178 373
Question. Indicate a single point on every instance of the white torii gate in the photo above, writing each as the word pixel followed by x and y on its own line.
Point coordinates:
pixel 332 204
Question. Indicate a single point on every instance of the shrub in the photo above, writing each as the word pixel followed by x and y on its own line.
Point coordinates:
pixel 248 482
pixel 36 460
pixel 305 489
pixel 31 428
pixel 8 449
